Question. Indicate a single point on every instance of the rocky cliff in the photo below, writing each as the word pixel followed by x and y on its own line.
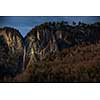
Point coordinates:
pixel 50 38
pixel 11 51
pixel 17 53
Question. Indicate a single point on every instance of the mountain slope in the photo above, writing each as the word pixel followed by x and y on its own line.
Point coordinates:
pixel 51 52
pixel 11 51
pixel 50 38
pixel 76 64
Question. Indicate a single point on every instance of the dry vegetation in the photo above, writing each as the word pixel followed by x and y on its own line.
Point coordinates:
pixel 76 64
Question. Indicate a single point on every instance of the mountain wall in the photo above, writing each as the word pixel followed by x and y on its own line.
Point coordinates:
pixel 11 51
pixel 17 53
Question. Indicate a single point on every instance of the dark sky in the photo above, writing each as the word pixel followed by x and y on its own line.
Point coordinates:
pixel 25 23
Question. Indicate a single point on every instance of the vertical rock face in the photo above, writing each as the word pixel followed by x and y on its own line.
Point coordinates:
pixel 49 38
pixel 40 43
pixel 11 51
pixel 44 40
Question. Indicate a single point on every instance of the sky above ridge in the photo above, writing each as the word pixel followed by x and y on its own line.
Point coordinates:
pixel 25 23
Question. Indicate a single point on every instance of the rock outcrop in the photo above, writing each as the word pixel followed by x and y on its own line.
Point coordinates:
pixel 49 38
pixel 17 53
pixel 11 51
